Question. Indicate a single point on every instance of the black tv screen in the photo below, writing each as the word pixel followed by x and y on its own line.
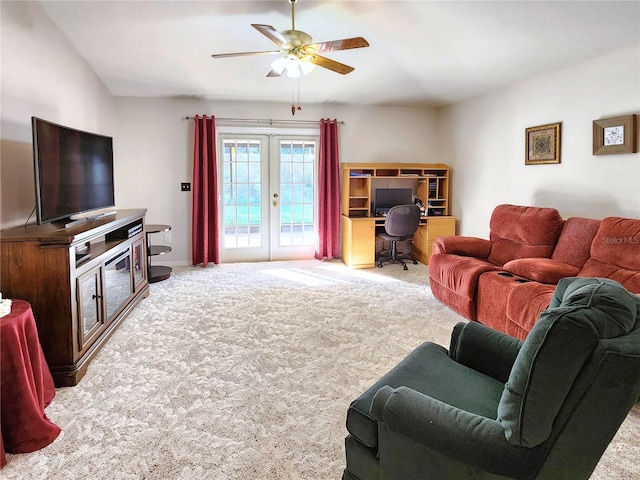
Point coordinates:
pixel 73 171
pixel 390 197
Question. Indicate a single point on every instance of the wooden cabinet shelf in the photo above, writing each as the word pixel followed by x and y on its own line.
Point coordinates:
pixel 81 282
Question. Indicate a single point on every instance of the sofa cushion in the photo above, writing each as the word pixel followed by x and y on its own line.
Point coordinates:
pixel 574 244
pixel 588 309
pixel 543 270
pixel 615 252
pixel 521 232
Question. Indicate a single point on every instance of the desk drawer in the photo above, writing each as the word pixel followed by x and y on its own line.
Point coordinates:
pixel 425 236
pixel 441 227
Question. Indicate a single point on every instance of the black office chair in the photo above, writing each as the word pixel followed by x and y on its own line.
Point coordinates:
pixel 400 225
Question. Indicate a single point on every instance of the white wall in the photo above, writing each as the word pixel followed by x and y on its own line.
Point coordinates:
pixel 42 75
pixel 484 141
pixel 154 149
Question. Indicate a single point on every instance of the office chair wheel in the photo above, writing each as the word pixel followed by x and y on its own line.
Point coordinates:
pixel 404 267
pixel 415 262
pixel 379 264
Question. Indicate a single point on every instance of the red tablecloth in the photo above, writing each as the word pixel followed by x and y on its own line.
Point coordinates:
pixel 26 385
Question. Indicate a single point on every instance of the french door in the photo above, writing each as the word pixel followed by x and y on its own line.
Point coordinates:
pixel 268 186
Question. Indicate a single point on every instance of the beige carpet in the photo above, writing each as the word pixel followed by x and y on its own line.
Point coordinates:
pixel 245 371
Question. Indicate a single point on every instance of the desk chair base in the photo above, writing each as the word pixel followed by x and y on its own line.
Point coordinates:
pixel 395 257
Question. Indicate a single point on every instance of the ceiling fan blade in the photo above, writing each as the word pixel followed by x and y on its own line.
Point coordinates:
pixel 271 33
pixel 332 46
pixel 245 54
pixel 325 62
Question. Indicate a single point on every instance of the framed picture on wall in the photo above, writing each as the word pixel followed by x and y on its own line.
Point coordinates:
pixel 615 135
pixel 542 144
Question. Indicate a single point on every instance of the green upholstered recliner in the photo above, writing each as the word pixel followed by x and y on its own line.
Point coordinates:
pixel 494 407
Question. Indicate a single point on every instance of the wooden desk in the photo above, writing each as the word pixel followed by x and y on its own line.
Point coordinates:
pixel 428 182
pixel 27 385
pixel 359 238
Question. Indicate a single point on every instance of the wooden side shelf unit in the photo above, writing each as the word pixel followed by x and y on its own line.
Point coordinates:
pixel 81 282
pixel 430 183
pixel 157 273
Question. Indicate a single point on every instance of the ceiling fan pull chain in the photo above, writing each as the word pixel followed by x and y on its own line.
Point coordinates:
pixel 293 99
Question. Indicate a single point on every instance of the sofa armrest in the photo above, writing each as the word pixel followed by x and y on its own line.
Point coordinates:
pixel 465 246
pixel 543 270
pixel 484 349
pixel 455 433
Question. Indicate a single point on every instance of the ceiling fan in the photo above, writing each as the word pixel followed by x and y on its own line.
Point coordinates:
pixel 299 54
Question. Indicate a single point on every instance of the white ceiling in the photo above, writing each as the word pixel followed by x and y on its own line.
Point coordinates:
pixel 422 53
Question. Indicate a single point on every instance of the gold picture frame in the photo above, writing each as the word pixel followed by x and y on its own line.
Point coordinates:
pixel 542 144
pixel 615 135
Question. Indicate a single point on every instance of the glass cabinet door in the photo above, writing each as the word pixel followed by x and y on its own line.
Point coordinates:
pixel 90 319
pixel 139 259
pixel 118 283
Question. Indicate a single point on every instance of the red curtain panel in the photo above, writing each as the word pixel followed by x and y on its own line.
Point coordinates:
pixel 328 192
pixel 204 229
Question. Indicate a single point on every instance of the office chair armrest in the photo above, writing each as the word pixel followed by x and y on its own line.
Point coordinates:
pixel 465 246
pixel 455 433
pixel 484 349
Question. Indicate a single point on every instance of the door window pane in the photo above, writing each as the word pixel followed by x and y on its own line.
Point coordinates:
pixel 297 192
pixel 242 191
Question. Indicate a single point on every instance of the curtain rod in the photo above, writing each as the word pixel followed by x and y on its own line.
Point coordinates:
pixel 270 121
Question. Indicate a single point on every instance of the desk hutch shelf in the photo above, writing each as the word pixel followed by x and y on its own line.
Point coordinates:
pixel 429 182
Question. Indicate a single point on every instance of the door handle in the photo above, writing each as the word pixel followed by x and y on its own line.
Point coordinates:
pixel 275 200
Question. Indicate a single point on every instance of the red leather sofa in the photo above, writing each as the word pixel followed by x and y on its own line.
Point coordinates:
pixel 506 281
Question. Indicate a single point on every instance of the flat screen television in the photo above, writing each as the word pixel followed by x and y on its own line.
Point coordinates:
pixel 73 171
pixel 390 197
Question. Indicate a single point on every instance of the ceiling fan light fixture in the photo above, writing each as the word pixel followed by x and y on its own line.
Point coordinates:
pixel 279 65
pixel 292 66
pixel 306 67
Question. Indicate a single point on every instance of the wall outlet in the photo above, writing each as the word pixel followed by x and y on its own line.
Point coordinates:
pixel 167 237
pixel 185 187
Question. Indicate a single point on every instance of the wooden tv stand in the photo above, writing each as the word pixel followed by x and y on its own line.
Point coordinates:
pixel 81 283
